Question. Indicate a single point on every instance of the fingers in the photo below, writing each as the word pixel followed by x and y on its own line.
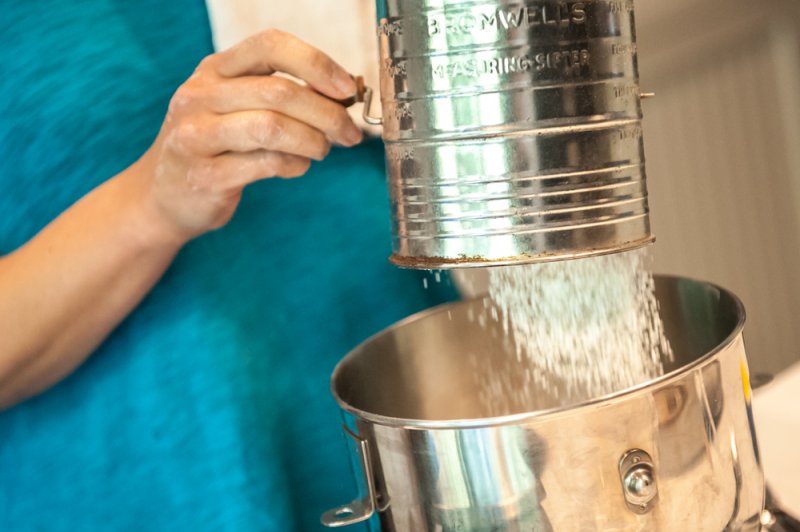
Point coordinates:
pixel 250 131
pixel 278 51
pixel 289 98
pixel 232 171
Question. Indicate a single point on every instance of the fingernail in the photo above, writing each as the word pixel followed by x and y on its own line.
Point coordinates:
pixel 344 83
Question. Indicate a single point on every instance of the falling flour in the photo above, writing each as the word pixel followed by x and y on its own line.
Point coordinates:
pixel 578 329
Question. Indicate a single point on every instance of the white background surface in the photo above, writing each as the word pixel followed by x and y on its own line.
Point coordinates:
pixel 777 416
pixel 722 139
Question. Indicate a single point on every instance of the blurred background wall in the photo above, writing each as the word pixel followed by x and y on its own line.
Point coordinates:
pixel 723 149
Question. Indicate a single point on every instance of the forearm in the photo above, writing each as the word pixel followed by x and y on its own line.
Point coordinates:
pixel 65 291
pixel 230 124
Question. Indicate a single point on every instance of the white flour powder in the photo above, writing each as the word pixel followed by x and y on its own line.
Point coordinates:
pixel 580 329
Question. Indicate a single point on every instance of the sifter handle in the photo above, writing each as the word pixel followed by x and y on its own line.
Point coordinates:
pixel 368 118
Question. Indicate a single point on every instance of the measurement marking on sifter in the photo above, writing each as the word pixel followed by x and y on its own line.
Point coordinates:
pixel 621 7
pixel 626 91
pixel 399 155
pixel 624 49
pixel 631 132
pixel 395 67
pixel 390 27
pixel 403 110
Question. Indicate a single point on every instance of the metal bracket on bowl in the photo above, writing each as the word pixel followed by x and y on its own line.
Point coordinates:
pixel 638 476
pixel 776 520
pixel 368 118
pixel 360 509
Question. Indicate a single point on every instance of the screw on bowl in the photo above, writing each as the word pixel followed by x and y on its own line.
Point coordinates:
pixel 639 483
pixel 637 474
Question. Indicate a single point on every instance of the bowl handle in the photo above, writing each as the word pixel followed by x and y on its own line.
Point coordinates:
pixel 360 509
pixel 776 520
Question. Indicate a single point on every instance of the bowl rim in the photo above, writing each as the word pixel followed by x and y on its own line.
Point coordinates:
pixel 538 415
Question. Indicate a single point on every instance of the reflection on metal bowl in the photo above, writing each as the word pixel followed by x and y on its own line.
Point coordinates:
pixel 676 453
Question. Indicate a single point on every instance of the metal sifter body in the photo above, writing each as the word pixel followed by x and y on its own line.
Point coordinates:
pixel 512 129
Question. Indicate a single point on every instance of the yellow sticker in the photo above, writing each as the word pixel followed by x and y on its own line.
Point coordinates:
pixel 745 380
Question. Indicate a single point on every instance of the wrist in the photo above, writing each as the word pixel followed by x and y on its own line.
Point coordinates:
pixel 146 220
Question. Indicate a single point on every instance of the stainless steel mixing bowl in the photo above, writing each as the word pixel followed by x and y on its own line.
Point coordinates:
pixel 675 454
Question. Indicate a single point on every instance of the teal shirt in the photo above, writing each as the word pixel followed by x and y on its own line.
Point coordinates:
pixel 209 407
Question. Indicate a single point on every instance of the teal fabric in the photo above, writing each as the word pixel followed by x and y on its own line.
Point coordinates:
pixel 209 408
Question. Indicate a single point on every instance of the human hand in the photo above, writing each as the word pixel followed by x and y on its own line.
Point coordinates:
pixel 233 122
